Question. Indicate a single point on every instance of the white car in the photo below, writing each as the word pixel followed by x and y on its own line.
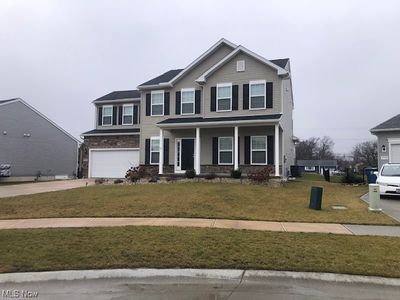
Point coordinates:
pixel 388 179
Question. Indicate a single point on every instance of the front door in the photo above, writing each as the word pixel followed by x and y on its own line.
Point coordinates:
pixel 184 154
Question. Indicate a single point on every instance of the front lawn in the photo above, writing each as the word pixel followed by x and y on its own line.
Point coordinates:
pixel 200 200
pixel 166 247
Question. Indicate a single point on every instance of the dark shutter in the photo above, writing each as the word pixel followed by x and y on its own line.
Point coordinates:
pixel 115 111
pixel 268 87
pixel 246 150
pixel 135 114
pixel 166 152
pixel 213 98
pixel 270 149
pixel 178 103
pixel 215 151
pixel 197 101
pixel 100 116
pixel 119 115
pixel 235 97
pixel 245 96
pixel 166 103
pixel 147 152
pixel 148 104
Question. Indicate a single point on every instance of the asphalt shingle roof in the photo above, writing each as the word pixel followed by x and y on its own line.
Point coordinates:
pixel 313 163
pixel 117 95
pixel 393 123
pixel 111 131
pixel 280 62
pixel 167 76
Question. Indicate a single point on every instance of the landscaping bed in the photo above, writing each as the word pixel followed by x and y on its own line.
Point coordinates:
pixel 158 247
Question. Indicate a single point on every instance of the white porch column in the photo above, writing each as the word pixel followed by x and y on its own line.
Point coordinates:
pixel 161 155
pixel 197 152
pixel 276 150
pixel 236 148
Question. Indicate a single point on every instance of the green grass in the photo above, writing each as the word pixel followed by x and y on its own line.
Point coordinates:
pixel 158 247
pixel 200 200
pixel 318 177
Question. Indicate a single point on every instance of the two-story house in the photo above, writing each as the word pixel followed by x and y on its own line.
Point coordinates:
pixel 229 109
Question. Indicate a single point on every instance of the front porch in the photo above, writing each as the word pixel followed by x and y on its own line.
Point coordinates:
pixel 221 148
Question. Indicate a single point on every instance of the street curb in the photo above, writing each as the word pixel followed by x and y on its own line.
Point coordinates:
pixel 222 274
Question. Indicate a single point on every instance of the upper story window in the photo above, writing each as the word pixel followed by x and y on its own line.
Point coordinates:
pixel 224 97
pixel 187 101
pixel 154 150
pixel 258 150
pixel 107 115
pixel 225 150
pixel 127 114
pixel 157 103
pixel 257 94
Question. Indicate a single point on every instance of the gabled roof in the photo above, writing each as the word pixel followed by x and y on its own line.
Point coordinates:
pixel 119 95
pixel 7 102
pixel 203 77
pixel 389 125
pixel 170 81
pixel 167 76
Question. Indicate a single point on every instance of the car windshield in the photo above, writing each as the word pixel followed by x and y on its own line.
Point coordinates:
pixel 391 171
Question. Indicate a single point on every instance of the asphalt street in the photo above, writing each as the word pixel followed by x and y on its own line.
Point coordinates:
pixel 202 289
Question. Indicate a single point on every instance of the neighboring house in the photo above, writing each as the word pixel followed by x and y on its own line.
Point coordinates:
pixel 388 134
pixel 229 109
pixel 34 145
pixel 317 166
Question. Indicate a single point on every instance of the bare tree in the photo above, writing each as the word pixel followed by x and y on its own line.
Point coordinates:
pixel 365 154
pixel 315 148
pixel 325 148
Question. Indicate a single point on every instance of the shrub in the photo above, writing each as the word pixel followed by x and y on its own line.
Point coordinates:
pixel 98 181
pixel 134 174
pixel 171 178
pixel 190 173
pixel 210 176
pixel 261 175
pixel 350 178
pixel 117 181
pixel 237 174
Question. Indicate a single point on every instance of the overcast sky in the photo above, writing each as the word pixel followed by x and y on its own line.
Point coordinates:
pixel 345 55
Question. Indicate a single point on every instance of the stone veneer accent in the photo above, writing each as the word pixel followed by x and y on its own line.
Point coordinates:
pixel 106 141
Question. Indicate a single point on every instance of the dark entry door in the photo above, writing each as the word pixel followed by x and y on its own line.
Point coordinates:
pixel 187 154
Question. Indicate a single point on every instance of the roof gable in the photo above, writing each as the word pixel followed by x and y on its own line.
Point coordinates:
pixel 391 124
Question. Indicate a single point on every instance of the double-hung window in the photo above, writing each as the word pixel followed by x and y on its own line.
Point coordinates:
pixel 127 114
pixel 225 150
pixel 257 94
pixel 187 101
pixel 258 150
pixel 309 168
pixel 154 150
pixel 224 97
pixel 107 115
pixel 157 103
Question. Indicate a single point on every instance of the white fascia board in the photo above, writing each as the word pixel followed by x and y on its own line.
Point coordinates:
pixel 217 123
pixel 219 64
pixel 43 116
pixel 155 86
pixel 384 130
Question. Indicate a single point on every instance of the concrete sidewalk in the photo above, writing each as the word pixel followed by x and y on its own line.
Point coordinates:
pixel 202 223
pixel 42 187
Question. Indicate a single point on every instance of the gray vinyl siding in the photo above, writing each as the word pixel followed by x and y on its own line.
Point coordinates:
pixel 48 149
pixel 383 138
pixel 128 101
pixel 287 125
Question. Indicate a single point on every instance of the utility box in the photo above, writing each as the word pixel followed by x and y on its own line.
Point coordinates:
pixel 374 198
pixel 316 198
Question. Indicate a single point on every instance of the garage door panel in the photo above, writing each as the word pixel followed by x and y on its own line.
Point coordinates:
pixel 112 163
pixel 395 153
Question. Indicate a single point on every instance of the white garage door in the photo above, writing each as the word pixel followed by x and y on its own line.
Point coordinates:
pixel 112 163
pixel 395 153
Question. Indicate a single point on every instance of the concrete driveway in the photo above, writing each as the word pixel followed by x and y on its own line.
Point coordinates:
pixel 389 204
pixel 42 187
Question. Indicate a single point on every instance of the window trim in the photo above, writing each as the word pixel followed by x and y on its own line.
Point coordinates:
pixel 124 115
pixel 310 169
pixel 266 150
pixel 254 82
pixel 194 100
pixel 157 138
pixel 219 150
pixel 229 84
pixel 151 103
pixel 103 115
